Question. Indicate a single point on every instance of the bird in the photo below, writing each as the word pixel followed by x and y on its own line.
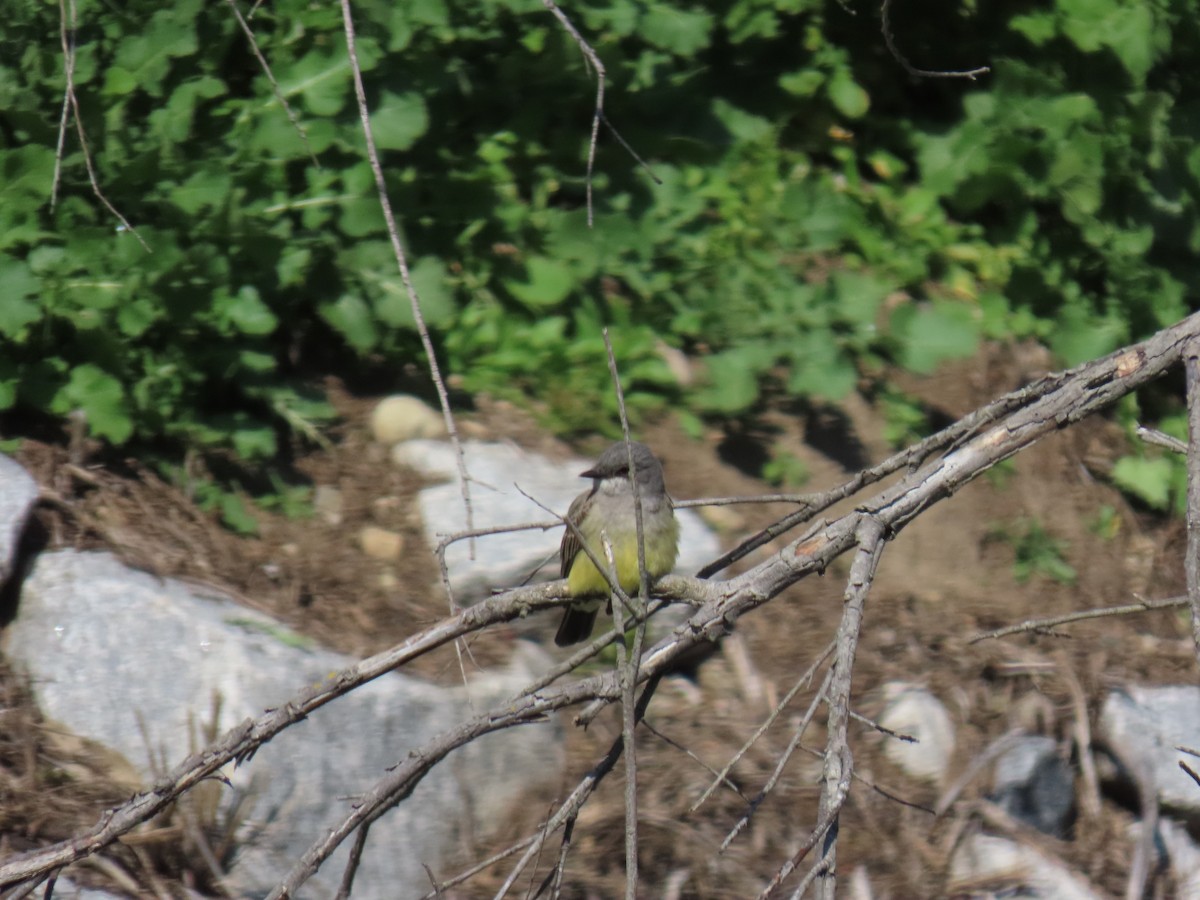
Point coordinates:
pixel 607 512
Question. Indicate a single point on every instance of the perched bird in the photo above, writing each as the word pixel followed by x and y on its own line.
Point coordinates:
pixel 607 511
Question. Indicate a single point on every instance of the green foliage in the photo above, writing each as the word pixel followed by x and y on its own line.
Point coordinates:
pixel 905 421
pixel 1036 552
pixel 819 216
pixel 786 470
pixel 1107 523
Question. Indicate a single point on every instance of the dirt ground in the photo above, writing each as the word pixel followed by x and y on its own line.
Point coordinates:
pixel 949 575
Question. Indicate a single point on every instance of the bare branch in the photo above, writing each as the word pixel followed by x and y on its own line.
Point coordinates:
pixel 889 39
pixel 781 762
pixel 1159 439
pixel 67 22
pixel 1040 625
pixel 435 372
pixel 266 67
pixel 1191 565
pixel 594 59
pixel 66 27
pixel 1056 402
pixel 802 682
pixel 629 667
pixel 839 763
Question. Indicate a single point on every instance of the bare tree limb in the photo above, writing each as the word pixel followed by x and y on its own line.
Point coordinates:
pixel 802 682
pixel 389 217
pixel 1058 401
pixel 1191 563
pixel 839 763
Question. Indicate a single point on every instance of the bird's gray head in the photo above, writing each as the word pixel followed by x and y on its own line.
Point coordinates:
pixel 614 463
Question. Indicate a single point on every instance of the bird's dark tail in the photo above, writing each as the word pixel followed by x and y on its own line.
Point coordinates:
pixel 576 626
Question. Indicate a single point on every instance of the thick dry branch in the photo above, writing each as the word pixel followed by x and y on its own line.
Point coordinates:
pixel 1056 402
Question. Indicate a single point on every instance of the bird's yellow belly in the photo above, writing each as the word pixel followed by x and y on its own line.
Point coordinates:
pixel 585 579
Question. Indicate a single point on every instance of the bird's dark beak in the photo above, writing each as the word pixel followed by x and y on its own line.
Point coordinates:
pixel 590 473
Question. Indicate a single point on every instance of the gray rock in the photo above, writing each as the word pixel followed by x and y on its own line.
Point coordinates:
pixel 135 662
pixel 1034 785
pixel 1142 726
pixel 503 560
pixel 1021 870
pixel 1183 857
pixel 18 493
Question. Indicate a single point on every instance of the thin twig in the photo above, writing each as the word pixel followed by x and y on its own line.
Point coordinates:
pixel 569 809
pixel 780 763
pixel 66 28
pixel 356 851
pixel 802 682
pixel 802 499
pixel 628 149
pixel 68 40
pixel 266 67
pixel 467 874
pixel 979 762
pixel 1083 740
pixel 1161 439
pixel 670 741
pixel 594 59
pixel 435 373
pixel 888 39
pixel 820 833
pixel 633 664
pixel 1036 625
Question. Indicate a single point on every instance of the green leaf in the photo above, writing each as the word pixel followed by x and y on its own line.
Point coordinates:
pixel 1038 27
pixel 858 297
pixel 254 442
pixel 678 31
pixel 1124 27
pixel 236 514
pixel 119 81
pixel 350 316
pixel 246 312
pixel 399 120
pixel 135 316
pixel 933 332
pixel 1081 334
pixel 847 95
pixel 102 400
pixel 820 368
pixel 548 282
pixel 732 380
pixel 803 83
pixel 740 124
pixel 1147 479
pixel 322 79
pixel 17 285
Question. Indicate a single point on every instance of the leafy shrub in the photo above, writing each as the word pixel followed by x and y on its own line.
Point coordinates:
pixel 820 214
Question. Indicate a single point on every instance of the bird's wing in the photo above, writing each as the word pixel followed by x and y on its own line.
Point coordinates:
pixel 571 544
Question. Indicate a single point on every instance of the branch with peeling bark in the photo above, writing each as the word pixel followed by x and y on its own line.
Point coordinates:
pixel 991 435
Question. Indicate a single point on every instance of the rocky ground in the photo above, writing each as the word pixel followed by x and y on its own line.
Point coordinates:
pixel 954 572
